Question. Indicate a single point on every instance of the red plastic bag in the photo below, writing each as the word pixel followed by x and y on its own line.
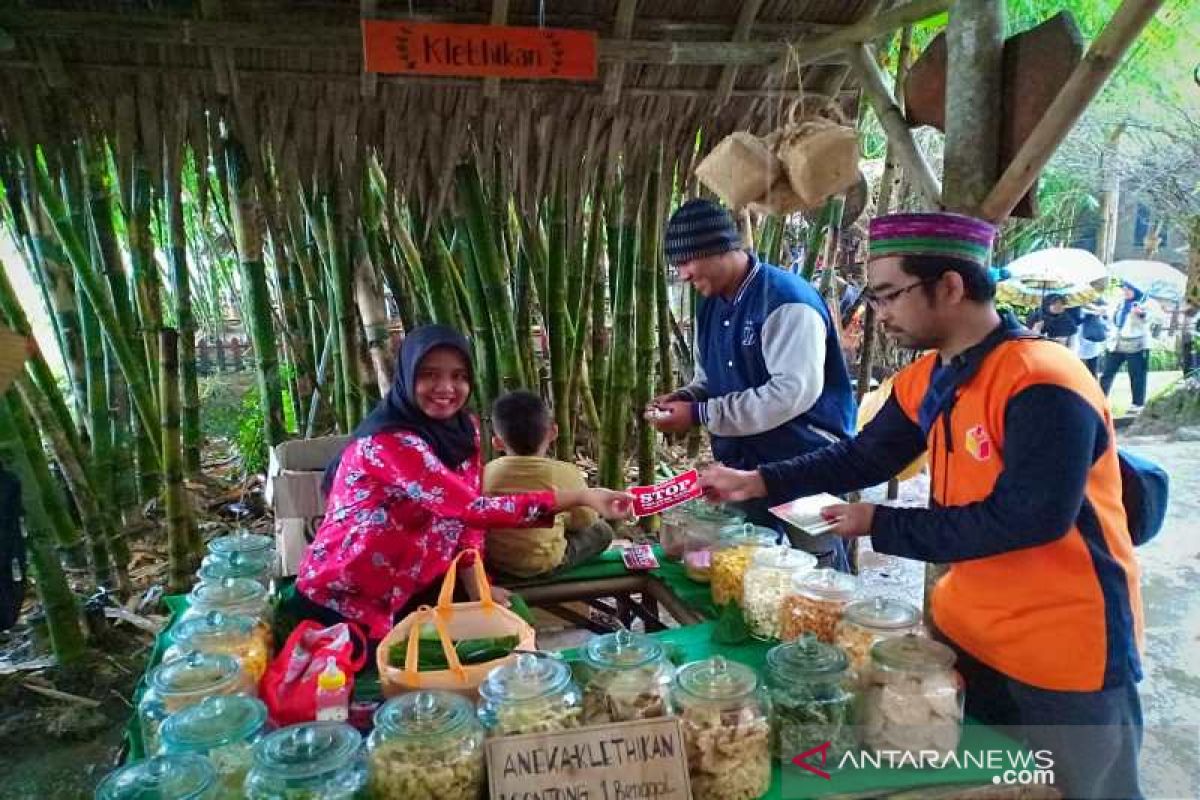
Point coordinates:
pixel 289 685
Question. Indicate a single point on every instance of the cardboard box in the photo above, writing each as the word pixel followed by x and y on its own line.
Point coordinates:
pixel 294 476
pixel 294 491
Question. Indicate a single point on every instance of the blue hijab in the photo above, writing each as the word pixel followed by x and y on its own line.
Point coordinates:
pixel 1123 312
pixel 452 440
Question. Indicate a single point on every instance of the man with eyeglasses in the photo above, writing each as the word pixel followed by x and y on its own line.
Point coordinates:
pixel 1042 601
pixel 770 379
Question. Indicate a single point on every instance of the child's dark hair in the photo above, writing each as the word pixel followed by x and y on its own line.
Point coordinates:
pixel 522 420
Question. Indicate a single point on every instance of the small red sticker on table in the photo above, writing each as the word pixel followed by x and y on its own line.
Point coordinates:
pixel 649 500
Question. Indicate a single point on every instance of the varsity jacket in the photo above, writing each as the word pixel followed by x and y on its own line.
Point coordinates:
pixel 770 378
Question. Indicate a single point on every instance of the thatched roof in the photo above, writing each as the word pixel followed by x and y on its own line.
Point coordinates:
pixel 288 76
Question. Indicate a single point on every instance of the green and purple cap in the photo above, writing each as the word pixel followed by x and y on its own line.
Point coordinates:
pixel 932 234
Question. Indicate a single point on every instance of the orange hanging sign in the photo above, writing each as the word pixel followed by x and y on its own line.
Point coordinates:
pixel 491 51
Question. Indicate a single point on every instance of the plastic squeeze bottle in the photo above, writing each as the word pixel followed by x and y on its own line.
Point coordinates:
pixel 333 695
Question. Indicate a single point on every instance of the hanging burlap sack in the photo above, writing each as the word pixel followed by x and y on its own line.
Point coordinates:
pixel 779 198
pixel 819 154
pixel 740 169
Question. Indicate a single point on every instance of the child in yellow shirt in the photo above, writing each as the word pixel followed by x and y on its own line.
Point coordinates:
pixel 524 431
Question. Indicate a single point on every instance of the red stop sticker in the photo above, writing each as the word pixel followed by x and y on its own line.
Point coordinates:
pixel 649 500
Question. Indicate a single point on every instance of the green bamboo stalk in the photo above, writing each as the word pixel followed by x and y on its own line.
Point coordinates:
pixel 493 275
pixel 248 236
pixel 180 553
pixel 110 551
pixel 53 590
pixel 620 380
pixel 147 282
pixel 558 324
pixel 341 283
pixel 103 463
pixel 662 303
pixel 523 292
pixel 583 306
pixel 645 314
pixel 139 391
pixel 14 315
pixel 486 375
pixel 66 535
pixel 184 315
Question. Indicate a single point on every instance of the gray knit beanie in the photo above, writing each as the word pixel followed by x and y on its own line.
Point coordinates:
pixel 700 228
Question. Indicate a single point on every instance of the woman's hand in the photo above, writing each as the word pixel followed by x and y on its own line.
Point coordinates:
pixel 725 485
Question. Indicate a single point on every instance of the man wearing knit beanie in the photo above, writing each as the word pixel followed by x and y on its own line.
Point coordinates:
pixel 770 380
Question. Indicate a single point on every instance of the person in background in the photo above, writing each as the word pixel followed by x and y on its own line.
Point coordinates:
pixel 1132 321
pixel 1093 334
pixel 405 496
pixel 524 432
pixel 770 378
pixel 1042 601
pixel 1053 320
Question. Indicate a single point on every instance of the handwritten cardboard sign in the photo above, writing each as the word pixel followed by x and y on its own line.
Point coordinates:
pixel 497 51
pixel 622 761
pixel 649 500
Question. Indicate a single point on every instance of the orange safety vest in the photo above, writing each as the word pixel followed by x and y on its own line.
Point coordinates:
pixel 1047 615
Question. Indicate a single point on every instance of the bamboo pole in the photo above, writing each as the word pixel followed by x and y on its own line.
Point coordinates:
pixel 184 315
pixel 66 535
pixel 139 390
pixel 57 599
pixel 108 547
pixel 248 235
pixel 143 268
pixel 975 69
pixel 493 274
pixel 342 311
pixel 373 312
pixel 1098 64
pixel 558 325
pixel 645 315
pixel 874 85
pixel 100 424
pixel 180 555
pixel 620 380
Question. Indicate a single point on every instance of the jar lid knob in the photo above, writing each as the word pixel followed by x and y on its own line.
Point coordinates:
pixel 526 666
pixel 158 768
pixel 236 558
pixel 194 658
pixel 718 667
pixel 227 581
pixel 622 640
pixel 214 619
pixel 425 705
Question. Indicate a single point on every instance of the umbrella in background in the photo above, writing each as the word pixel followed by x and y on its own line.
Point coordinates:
pixel 1017 292
pixel 1156 278
pixel 1057 268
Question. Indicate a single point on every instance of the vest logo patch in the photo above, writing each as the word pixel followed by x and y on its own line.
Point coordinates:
pixel 979 444
pixel 748 334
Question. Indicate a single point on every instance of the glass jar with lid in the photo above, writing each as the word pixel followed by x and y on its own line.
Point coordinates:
pixel 531 694
pixel 912 697
pixel 768 580
pixel 704 524
pixel 313 761
pixel 731 559
pixel 427 745
pixel 815 604
pixel 242 541
pixel 236 635
pixel 238 564
pixel 241 596
pixel 224 730
pixel 865 622
pixel 627 676
pixel 812 698
pixel 183 776
pixel 183 682
pixel 726 729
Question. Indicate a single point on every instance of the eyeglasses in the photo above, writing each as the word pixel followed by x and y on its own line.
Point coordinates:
pixel 885 299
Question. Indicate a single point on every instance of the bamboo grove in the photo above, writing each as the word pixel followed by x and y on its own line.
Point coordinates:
pixel 535 231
